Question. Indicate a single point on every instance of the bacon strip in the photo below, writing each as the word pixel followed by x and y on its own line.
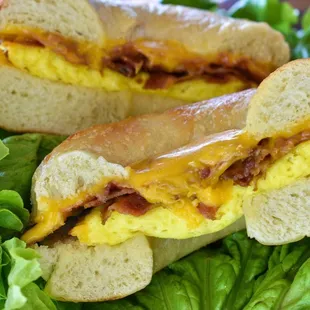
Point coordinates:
pixel 133 204
pixel 244 171
pixel 111 191
pixel 127 60
pixel 160 81
pixel 209 212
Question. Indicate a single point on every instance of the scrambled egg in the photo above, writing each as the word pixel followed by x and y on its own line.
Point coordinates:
pixel 44 63
pixel 180 219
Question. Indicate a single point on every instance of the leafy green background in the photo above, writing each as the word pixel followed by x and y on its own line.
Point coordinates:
pixel 26 152
pixel 236 273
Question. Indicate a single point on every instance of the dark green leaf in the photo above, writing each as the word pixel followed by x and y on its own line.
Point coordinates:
pixel 21 213
pixel 13 202
pixel 200 4
pixel 36 299
pixel 4 151
pixel 306 20
pixel 13 216
pixel 17 168
pixel 298 296
pixel 302 48
pixel 250 259
pixel 170 291
pixel 2 281
pixel 10 221
pixel 48 143
pixel 123 304
pixel 242 274
pixel 4 134
pixel 26 153
pixel 70 305
pixel 280 15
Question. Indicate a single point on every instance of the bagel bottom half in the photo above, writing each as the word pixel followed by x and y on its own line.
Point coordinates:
pixel 79 273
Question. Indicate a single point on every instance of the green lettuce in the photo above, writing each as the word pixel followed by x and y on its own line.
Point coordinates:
pixel 25 154
pixel 200 4
pixel 282 16
pixel 19 268
pixel 301 47
pixel 4 134
pixel 4 151
pixel 240 274
pixel 13 216
pixel 236 273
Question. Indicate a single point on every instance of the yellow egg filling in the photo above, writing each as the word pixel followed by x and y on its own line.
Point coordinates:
pixel 44 63
pixel 180 220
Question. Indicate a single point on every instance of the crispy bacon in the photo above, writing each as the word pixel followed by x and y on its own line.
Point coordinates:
pixel 129 61
pixel 209 212
pixel 133 204
pixel 205 173
pixel 160 81
pixel 244 171
pixel 110 192
pixel 126 60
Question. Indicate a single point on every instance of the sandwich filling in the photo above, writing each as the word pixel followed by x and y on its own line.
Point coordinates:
pixel 195 190
pixel 143 65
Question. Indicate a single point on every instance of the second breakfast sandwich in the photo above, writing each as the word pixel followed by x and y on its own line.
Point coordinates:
pixel 66 65
pixel 119 192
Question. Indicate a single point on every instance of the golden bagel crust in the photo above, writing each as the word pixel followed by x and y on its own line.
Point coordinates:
pixel 142 137
pixel 38 13
pixel 199 31
pixel 139 138
pixel 112 23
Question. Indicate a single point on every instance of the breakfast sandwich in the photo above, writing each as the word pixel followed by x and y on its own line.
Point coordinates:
pixel 67 65
pixel 115 203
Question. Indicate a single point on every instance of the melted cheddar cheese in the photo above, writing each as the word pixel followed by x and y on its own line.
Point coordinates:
pixel 173 184
pixel 161 181
pixel 167 222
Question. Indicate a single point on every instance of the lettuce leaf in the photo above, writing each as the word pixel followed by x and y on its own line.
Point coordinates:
pixel 4 134
pixel 241 274
pixel 4 151
pixel 301 48
pixel 298 295
pixel 200 4
pixel 19 267
pixel 13 216
pixel 25 154
pixel 36 299
pixel 282 16
pixel 237 274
